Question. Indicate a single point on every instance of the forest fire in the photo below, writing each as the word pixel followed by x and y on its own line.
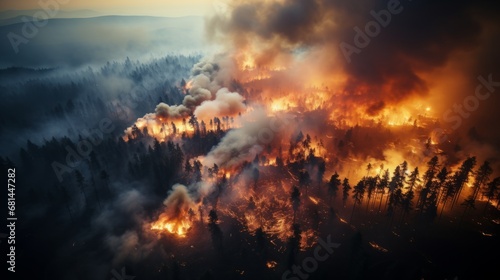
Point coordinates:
pixel 249 181
pixel 178 226
pixel 178 214
pixel 251 142
pixel 291 142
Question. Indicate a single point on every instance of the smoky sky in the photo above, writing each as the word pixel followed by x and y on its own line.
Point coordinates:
pixel 77 42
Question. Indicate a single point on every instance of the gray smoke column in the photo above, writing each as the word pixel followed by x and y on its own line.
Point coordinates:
pixel 178 201
pixel 207 96
pixel 243 144
pixel 225 103
pixel 178 206
pixel 205 82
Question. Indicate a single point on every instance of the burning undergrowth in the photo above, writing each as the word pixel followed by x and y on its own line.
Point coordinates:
pixel 177 218
pixel 286 113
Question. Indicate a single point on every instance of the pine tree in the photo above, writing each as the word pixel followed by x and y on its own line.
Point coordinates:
pixel 371 183
pixel 345 190
pixel 333 186
pixel 491 190
pixel 406 203
pixel 358 193
pixel 381 186
pixel 461 177
pixel 428 181
pixel 482 176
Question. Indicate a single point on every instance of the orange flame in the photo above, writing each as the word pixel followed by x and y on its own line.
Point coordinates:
pixel 179 227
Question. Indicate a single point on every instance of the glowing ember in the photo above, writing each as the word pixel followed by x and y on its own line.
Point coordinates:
pixel 314 200
pixel 378 247
pixel 271 264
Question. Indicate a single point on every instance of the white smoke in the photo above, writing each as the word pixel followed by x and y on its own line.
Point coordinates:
pixel 243 144
pixel 225 103
pixel 207 97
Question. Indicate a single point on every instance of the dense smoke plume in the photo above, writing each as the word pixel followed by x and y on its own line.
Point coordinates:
pixel 178 203
pixel 375 56
pixel 226 103
pixel 306 36
pixel 207 89
pixel 206 95
pixel 244 143
pixel 380 57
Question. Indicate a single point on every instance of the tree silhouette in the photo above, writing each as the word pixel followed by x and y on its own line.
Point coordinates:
pixel 371 185
pixel 383 183
pixel 449 192
pixel 295 197
pixel 395 192
pixel 174 128
pixel 333 186
pixel 357 196
pixel 215 230
pixel 345 190
pixel 437 194
pixel 188 168
pixel 404 169
pixel 482 176
pixel 491 190
pixel 406 203
pixel 461 177
pixel 294 244
pixel 197 170
pixel 428 182
pixel 369 168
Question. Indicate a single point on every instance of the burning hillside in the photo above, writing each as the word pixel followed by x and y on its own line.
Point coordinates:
pixel 305 139
pixel 274 157
pixel 296 124
pixel 290 111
